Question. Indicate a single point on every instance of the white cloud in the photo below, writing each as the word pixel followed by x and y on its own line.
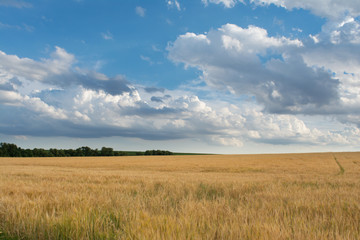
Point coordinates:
pixel 226 3
pixel 229 37
pixel 336 49
pixel 174 4
pixel 10 98
pixel 345 30
pixel 317 77
pixel 147 59
pixel 155 48
pixel 38 106
pixel 227 141
pixel 332 9
pixel 297 30
pixel 246 61
pixel 140 11
pixel 34 104
pixel 315 38
pixel 27 68
pixel 107 36
pixel 24 27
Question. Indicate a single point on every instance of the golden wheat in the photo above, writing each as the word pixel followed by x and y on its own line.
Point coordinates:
pixel 283 196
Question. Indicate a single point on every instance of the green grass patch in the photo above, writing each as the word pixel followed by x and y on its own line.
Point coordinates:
pixel 4 236
pixel 342 170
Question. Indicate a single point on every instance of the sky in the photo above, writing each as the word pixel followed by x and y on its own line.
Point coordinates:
pixel 206 76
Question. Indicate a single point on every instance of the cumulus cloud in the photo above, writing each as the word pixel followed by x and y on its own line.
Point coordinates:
pixel 140 11
pixel 246 61
pixel 59 62
pixel 317 76
pixel 336 49
pixel 226 3
pixel 58 71
pixel 11 98
pixel 174 4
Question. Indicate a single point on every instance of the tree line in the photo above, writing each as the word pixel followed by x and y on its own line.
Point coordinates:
pixel 11 150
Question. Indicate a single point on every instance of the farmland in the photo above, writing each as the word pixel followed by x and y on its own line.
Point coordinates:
pixel 275 196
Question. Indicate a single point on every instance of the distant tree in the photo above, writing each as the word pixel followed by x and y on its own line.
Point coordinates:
pixel 69 152
pixel 27 153
pixel 61 153
pixel 79 152
pixel 120 153
pixel 157 152
pixel 10 150
pixel 96 152
pixel 107 151
pixel 54 152
pixel 40 152
pixel 86 151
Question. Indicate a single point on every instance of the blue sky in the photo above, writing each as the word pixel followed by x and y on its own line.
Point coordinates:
pixel 219 76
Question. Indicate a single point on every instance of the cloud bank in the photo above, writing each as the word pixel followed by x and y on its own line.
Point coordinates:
pixel 53 97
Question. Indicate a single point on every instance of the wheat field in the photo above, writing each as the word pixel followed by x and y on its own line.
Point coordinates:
pixel 279 196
